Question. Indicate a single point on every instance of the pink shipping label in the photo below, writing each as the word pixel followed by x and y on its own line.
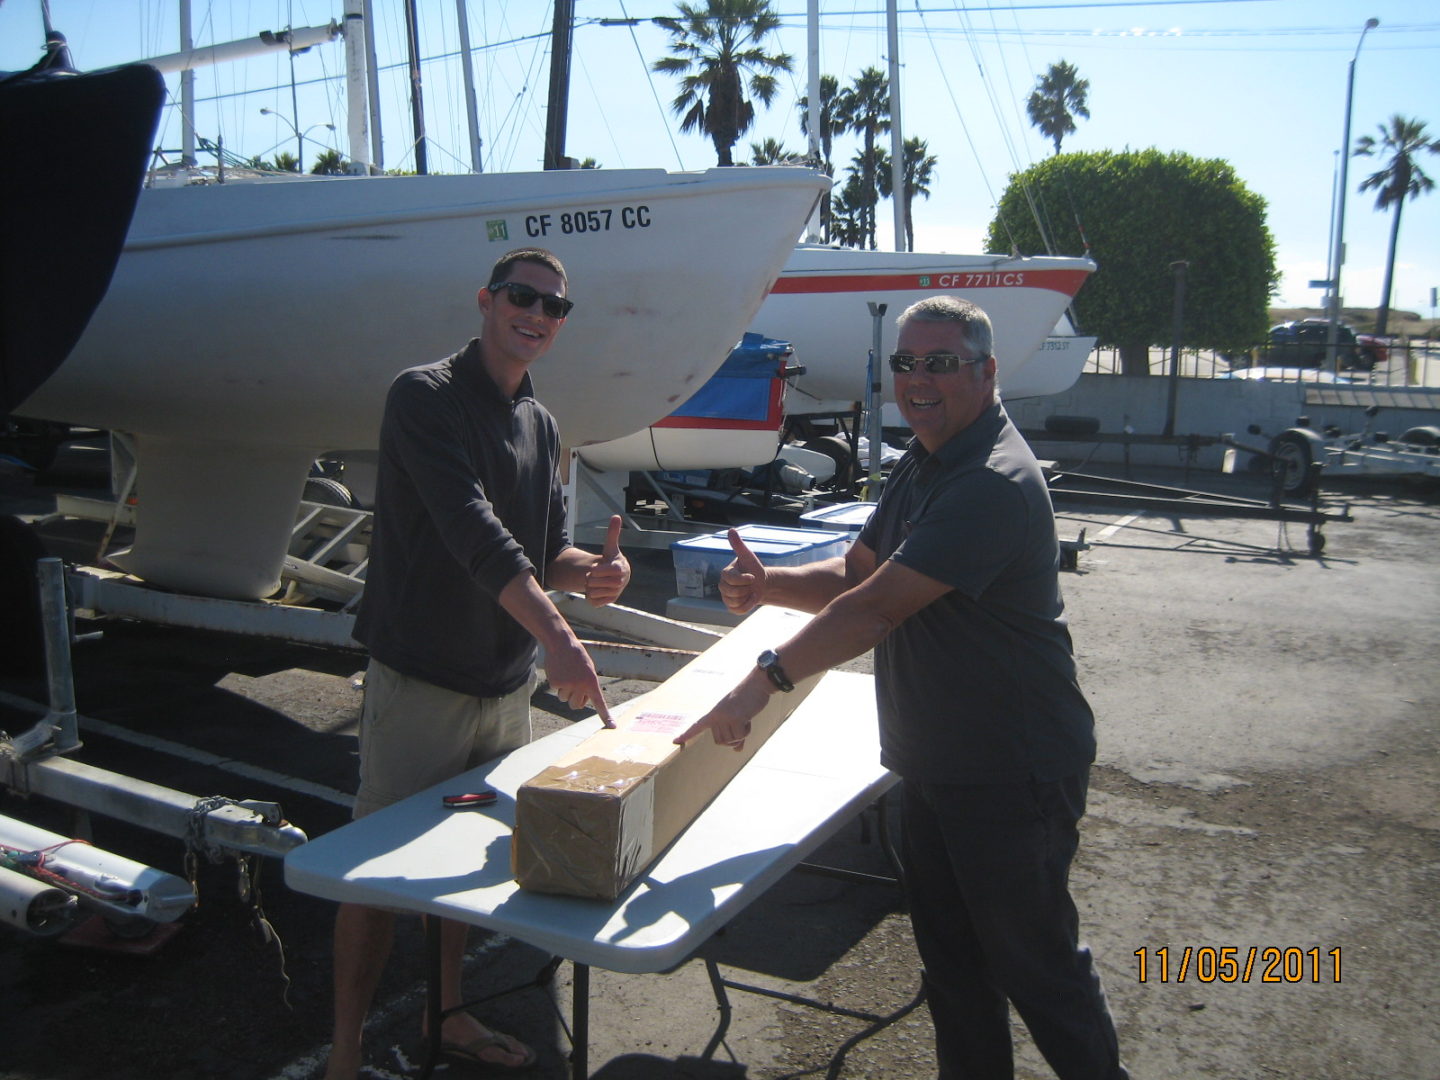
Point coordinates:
pixel 660 723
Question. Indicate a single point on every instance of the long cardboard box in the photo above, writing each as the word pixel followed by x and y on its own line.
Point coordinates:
pixel 592 822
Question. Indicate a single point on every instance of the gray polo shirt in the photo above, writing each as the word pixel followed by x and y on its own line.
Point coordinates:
pixel 979 686
pixel 468 496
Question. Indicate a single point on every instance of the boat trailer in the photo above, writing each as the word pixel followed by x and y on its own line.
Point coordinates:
pixel 1067 486
pixel 48 881
pixel 1298 450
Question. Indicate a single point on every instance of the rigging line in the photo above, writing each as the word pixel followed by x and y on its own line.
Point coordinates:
pixel 453 54
pixel 1022 120
pixel 334 89
pixel 1043 222
pixel 502 137
pixel 961 9
pixel 579 61
pixel 996 110
pixel 1046 227
pixel 649 78
pixel 513 112
pixel 457 130
pixel 943 69
pixel 1008 139
pixel 443 149
pixel 1022 157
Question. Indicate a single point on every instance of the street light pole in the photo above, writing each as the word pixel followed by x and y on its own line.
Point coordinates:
pixel 1337 256
pixel 299 135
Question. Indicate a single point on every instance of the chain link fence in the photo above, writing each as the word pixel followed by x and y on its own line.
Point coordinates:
pixel 1406 362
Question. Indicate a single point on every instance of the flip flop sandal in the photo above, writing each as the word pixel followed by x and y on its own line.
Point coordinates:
pixel 470 1053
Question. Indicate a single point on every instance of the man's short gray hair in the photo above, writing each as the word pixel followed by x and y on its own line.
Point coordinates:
pixel 974 324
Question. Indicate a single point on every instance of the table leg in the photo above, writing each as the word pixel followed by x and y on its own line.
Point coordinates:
pixel 433 1019
pixel 722 1004
pixel 580 1013
pixel 883 826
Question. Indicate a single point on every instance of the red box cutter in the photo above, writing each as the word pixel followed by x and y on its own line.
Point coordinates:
pixel 468 801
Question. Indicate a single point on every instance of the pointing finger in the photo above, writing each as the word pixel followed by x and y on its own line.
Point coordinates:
pixel 601 708
pixel 690 733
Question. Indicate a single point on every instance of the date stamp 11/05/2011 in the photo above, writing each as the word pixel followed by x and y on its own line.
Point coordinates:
pixel 1238 964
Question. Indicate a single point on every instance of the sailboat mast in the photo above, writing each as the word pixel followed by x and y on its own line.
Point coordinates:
pixel 812 54
pixel 467 69
pixel 187 91
pixel 556 117
pixel 417 105
pixel 897 138
pixel 372 94
pixel 357 111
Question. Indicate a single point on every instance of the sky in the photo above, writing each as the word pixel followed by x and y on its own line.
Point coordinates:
pixel 1261 84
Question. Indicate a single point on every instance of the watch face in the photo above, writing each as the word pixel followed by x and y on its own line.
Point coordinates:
pixel 769 662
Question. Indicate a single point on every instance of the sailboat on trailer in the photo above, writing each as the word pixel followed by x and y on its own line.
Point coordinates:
pixel 250 328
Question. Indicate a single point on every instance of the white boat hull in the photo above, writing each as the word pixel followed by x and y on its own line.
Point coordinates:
pixel 1056 365
pixel 251 327
pixel 667 449
pixel 279 313
pixel 820 304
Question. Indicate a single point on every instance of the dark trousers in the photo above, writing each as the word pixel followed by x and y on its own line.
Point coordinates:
pixel 987 869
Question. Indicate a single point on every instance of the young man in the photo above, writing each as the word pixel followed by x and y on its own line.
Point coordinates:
pixel 955 584
pixel 469 531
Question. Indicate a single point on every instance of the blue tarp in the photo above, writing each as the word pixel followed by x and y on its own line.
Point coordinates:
pixel 740 390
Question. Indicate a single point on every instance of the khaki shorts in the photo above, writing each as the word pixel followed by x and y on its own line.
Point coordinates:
pixel 414 734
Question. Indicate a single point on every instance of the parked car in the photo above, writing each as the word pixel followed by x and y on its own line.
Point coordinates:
pixel 1374 351
pixel 1305 343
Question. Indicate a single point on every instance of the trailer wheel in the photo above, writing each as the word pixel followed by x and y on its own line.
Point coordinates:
pixel 327 492
pixel 1292 455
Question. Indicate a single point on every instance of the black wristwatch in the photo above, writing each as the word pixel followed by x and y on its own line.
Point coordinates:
pixel 769 662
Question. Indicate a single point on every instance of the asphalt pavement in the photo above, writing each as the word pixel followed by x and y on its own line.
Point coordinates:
pixel 1267 784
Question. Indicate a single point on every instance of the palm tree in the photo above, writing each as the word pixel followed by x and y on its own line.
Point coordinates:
pixel 286 162
pixel 917 169
pixel 1401 178
pixel 848 212
pixel 864 106
pixel 714 46
pixel 773 152
pixel 831 122
pixel 330 163
pixel 1059 97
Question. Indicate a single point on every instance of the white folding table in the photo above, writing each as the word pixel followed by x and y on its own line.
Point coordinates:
pixel 813 775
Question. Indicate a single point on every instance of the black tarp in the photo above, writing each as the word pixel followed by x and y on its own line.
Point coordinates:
pixel 73 153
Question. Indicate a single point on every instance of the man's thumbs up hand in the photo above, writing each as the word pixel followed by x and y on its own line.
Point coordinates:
pixel 742 583
pixel 612 539
pixel 607 578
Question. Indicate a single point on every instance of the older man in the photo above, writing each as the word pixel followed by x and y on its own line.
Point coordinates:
pixel 955 584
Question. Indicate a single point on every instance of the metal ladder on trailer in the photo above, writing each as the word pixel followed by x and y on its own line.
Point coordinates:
pixel 329 554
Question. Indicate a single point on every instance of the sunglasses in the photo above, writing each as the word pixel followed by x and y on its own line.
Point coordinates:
pixel 936 363
pixel 524 296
